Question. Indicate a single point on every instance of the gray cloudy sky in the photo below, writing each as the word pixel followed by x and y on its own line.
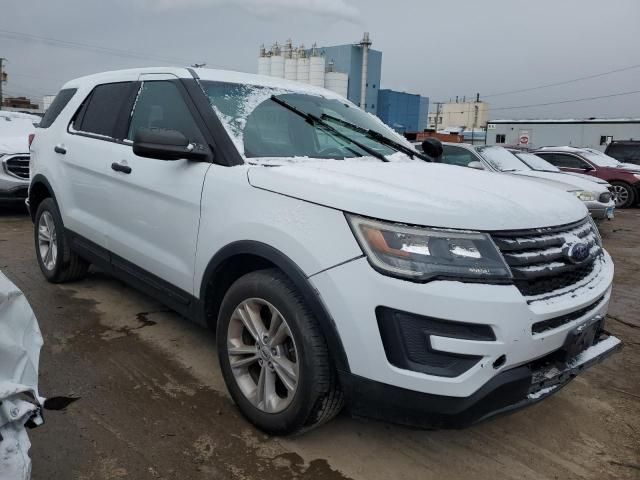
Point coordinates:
pixel 438 49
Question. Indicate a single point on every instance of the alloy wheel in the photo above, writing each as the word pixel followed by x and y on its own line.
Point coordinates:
pixel 263 355
pixel 621 195
pixel 47 240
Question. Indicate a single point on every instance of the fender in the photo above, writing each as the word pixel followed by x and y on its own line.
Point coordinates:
pixel 296 275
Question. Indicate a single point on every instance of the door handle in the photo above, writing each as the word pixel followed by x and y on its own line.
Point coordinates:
pixel 60 149
pixel 118 167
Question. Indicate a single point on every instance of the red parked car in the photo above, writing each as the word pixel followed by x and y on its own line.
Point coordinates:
pixel 625 178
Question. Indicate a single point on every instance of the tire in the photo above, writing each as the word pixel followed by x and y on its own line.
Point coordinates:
pixel 58 263
pixel 317 396
pixel 625 192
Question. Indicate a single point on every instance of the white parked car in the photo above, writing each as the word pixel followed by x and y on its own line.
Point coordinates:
pixel 336 265
pixel 15 129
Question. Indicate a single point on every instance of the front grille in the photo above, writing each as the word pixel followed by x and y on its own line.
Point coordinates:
pixel 539 258
pixel 17 165
pixel 605 197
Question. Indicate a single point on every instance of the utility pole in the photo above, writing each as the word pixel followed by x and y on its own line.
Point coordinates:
pixel 438 111
pixel 2 76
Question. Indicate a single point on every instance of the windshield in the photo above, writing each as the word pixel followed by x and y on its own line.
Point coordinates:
pixel 261 127
pixel 502 159
pixel 536 162
pixel 600 159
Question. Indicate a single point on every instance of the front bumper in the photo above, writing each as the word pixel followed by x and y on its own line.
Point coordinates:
pixel 601 211
pixel 510 390
pixel 353 292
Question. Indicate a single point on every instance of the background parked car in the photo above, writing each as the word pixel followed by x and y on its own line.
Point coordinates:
pixel 596 197
pixel 15 129
pixel 625 179
pixel 625 151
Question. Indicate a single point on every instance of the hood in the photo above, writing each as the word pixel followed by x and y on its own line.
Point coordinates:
pixel 421 193
pixel 587 177
pixel 563 181
pixel 14 135
pixel 630 167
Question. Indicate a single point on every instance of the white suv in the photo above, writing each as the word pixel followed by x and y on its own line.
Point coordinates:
pixel 336 264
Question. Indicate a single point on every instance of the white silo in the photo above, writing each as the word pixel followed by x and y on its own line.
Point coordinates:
pixel 277 62
pixel 337 82
pixel 291 62
pixel 302 74
pixel 264 62
pixel 316 68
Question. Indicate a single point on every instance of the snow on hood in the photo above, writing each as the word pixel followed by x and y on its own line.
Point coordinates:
pixel 421 193
pixel 565 182
pixel 20 342
pixel 587 177
pixel 14 134
pixel 631 167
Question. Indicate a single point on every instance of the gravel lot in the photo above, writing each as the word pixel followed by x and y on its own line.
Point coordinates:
pixel 153 404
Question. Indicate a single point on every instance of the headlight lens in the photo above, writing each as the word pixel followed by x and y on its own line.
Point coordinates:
pixel 422 254
pixel 584 195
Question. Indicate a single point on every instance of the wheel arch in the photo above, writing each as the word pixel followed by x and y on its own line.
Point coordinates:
pixel 39 189
pixel 242 257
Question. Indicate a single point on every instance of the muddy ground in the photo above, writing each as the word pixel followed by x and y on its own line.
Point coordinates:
pixel 153 405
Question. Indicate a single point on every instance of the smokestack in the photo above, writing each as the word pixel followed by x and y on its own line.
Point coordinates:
pixel 365 44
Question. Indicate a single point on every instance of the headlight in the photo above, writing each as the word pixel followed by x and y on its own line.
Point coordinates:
pixel 584 195
pixel 422 254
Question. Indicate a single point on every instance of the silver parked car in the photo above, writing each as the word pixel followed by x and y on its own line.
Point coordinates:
pixel 595 195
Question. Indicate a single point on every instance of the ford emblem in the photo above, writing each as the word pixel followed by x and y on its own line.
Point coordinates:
pixel 577 252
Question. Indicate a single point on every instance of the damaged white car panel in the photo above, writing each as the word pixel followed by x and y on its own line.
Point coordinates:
pixel 20 401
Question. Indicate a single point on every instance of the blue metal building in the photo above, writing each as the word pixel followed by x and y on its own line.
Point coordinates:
pixel 348 59
pixel 404 112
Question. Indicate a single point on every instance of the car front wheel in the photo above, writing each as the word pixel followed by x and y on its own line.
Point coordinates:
pixel 274 358
pixel 624 194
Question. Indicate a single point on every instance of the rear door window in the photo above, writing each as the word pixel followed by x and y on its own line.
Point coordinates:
pixel 58 104
pixel 103 108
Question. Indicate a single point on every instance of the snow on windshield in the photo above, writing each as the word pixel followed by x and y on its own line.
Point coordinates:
pixel 264 129
pixel 502 159
pixel 536 162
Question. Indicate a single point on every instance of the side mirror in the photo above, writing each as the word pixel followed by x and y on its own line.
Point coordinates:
pixel 433 148
pixel 165 145
pixel 476 164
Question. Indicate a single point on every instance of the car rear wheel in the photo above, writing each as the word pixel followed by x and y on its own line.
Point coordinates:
pixel 624 194
pixel 273 356
pixel 57 262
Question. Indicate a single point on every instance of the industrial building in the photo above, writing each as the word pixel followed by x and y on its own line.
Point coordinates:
pixel 404 112
pixel 590 133
pixel 463 114
pixel 348 70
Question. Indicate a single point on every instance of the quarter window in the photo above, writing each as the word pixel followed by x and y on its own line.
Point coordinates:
pixel 160 105
pixel 100 113
pixel 58 104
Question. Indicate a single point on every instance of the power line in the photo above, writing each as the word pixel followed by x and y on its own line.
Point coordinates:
pixel 93 48
pixel 566 101
pixel 564 82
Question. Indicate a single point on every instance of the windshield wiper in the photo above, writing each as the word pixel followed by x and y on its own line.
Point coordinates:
pixel 378 137
pixel 314 120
